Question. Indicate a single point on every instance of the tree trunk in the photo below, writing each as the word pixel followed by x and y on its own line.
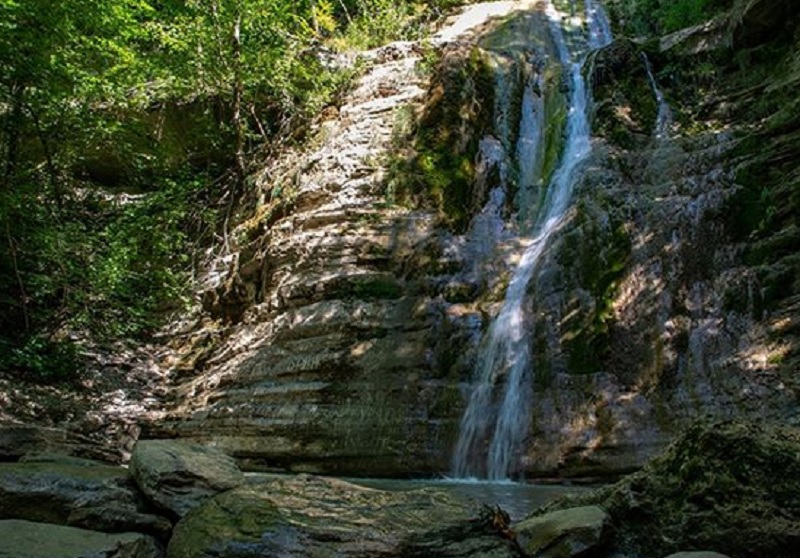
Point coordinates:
pixel 12 132
pixel 55 184
pixel 238 87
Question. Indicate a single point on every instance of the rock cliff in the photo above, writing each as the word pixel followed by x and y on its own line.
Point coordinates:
pixel 342 323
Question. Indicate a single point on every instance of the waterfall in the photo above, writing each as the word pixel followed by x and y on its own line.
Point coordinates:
pixel 664 115
pixel 599 27
pixel 499 407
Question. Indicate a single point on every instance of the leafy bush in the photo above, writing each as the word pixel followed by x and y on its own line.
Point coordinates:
pixel 41 359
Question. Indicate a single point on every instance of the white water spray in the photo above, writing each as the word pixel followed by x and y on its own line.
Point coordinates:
pixel 498 411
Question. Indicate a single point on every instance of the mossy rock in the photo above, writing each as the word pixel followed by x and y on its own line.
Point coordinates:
pixel 625 109
pixel 596 252
pixel 25 539
pixel 731 487
pixel 565 533
pixel 318 517
pixel 438 169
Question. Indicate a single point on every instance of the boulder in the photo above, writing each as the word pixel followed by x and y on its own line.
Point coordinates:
pixel 49 492
pixel 17 440
pixel 25 539
pixel 564 534
pixel 120 520
pixel 319 517
pixel 727 486
pixel 178 476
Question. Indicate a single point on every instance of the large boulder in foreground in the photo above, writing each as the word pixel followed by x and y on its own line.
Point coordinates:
pixel 50 491
pixel 77 492
pixel 730 488
pixel 565 533
pixel 24 539
pixel 316 517
pixel 178 476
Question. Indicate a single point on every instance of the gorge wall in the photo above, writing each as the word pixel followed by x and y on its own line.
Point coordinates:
pixel 340 330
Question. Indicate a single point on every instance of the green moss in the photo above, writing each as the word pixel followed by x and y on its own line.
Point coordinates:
pixel 543 371
pixel 599 258
pixel 233 518
pixel 763 210
pixel 437 169
pixel 625 105
pixel 728 487
pixel 555 118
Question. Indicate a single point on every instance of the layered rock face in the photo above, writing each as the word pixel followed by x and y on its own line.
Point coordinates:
pixel 326 366
pixel 343 327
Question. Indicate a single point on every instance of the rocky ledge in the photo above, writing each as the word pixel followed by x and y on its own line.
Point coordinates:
pixel 181 500
pixel 724 488
pixel 727 487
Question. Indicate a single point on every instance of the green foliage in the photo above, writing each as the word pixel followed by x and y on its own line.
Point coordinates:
pixel 117 120
pixel 41 359
pixel 100 266
pixel 139 260
pixel 371 23
pixel 434 164
pixel 657 17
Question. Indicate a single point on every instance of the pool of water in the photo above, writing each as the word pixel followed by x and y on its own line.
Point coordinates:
pixel 518 499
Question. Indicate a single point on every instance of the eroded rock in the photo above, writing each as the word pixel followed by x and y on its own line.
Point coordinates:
pixel 178 476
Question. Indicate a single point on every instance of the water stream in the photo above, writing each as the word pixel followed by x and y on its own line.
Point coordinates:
pixel 664 115
pixel 496 420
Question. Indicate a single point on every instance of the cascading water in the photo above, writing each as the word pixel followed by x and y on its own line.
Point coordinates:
pixel 597 22
pixel 664 115
pixel 498 411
